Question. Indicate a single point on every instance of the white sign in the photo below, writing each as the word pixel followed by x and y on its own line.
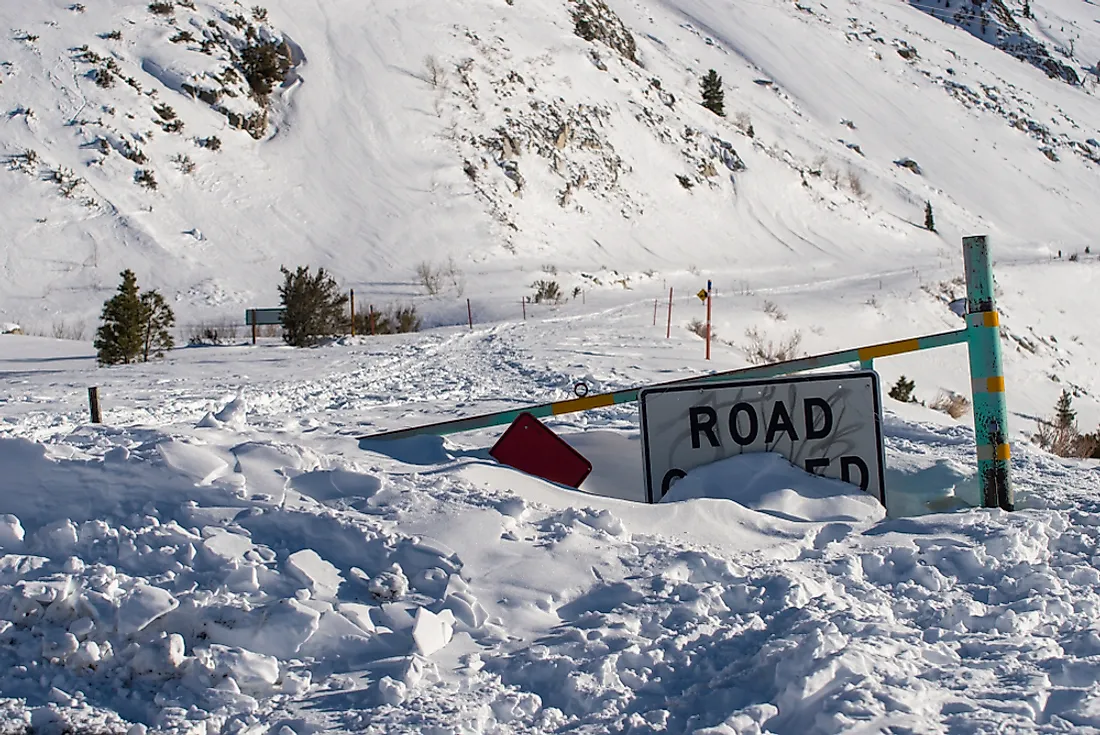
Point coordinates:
pixel 829 425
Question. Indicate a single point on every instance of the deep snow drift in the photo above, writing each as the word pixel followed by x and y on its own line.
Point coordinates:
pixel 221 556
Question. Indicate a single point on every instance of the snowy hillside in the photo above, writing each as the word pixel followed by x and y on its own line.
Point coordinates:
pixel 494 135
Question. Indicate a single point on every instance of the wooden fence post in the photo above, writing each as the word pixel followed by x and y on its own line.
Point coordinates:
pixel 93 405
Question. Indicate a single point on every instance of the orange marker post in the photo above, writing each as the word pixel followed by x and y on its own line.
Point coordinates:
pixel 708 319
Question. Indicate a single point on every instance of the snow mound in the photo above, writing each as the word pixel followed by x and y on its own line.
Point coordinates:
pixel 165 577
pixel 768 483
pixel 234 415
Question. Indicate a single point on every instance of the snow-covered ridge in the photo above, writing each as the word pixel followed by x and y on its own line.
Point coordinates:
pixel 514 136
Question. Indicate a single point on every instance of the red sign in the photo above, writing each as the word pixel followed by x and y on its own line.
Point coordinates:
pixel 529 446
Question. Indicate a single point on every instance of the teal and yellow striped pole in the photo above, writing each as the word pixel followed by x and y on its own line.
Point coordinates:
pixel 987 376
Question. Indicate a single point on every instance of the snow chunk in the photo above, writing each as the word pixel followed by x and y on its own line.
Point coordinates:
pixel 431 632
pixel 322 578
pixel 82 627
pixel 460 601
pixel 87 655
pixel 286 625
pixel 141 606
pixel 602 520
pixel 244 579
pixel 251 671
pixel 419 450
pixel 159 659
pixel 234 414
pixel 198 463
pixel 393 692
pixel 58 644
pixel 57 538
pixel 391 585
pixel 226 545
pixel 466 609
pixel 13 567
pixel 512 706
pixel 11 532
pixel 357 614
pixel 48 720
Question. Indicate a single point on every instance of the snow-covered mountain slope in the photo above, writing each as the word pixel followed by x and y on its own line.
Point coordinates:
pixel 492 134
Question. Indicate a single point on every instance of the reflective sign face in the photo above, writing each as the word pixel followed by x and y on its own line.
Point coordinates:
pixel 829 425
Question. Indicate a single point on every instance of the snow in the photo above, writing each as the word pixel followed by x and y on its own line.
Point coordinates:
pixel 281 573
pixel 11 532
pixel 770 484
pixel 432 632
pixel 221 555
pixel 320 577
pixel 141 606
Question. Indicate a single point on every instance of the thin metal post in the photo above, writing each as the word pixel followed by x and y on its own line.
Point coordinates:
pixel 668 330
pixel 252 314
pixel 93 405
pixel 470 313
pixel 987 376
pixel 353 312
pixel 654 312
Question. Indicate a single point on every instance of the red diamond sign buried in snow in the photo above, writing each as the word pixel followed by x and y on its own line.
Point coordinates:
pixel 529 446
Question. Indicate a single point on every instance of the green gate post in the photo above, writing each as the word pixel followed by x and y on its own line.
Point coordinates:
pixel 987 376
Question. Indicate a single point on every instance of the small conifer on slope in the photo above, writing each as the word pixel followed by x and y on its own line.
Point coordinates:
pixel 714 99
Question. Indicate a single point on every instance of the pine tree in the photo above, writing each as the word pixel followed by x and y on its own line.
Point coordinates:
pixel 156 325
pixel 314 306
pixel 119 338
pixel 1027 9
pixel 903 390
pixel 135 325
pixel 714 99
pixel 929 220
pixel 1064 415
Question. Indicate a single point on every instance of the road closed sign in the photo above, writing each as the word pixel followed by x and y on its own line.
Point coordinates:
pixel 829 425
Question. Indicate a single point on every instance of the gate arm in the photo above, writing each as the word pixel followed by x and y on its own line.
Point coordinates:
pixel 829 359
